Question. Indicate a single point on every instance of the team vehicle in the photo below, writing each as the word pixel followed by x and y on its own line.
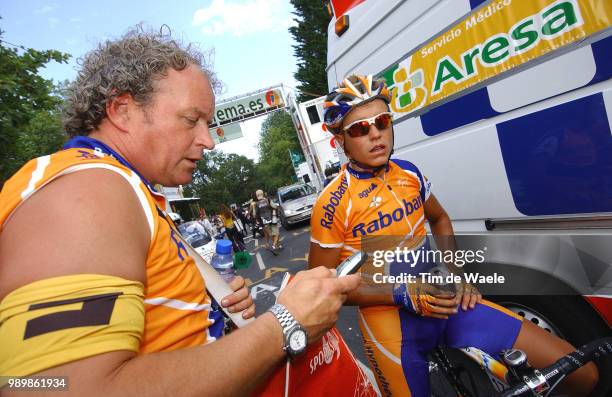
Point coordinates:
pixel 506 106
pixel 295 203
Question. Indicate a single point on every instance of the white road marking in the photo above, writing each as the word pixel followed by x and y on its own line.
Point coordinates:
pixel 260 261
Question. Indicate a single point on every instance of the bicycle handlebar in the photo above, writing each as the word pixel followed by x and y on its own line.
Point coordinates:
pixel 564 366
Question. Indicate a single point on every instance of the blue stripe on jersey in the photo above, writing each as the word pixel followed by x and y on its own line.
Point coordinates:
pixel 86 142
pixel 559 160
pixel 461 111
pixel 602 52
pixel 407 165
pixel 216 315
pixel 362 174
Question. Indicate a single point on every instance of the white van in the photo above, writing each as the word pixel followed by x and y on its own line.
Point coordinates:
pixel 506 106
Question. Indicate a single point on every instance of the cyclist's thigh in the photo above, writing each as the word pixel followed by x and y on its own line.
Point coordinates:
pixel 396 343
pixel 488 326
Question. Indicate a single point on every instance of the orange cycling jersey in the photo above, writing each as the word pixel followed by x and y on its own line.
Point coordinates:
pixel 357 208
pixel 178 312
pixel 357 204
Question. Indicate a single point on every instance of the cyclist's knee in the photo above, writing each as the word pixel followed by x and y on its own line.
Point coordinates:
pixel 581 382
pixel 543 349
pixel 584 380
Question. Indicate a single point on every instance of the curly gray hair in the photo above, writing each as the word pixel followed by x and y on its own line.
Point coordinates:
pixel 131 64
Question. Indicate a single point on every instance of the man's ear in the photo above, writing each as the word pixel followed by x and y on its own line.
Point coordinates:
pixel 118 111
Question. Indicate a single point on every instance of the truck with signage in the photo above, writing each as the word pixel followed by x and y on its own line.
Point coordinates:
pixel 506 106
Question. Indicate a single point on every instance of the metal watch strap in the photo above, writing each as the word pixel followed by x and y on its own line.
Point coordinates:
pixel 283 316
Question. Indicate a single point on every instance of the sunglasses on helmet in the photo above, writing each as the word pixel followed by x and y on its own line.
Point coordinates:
pixel 362 127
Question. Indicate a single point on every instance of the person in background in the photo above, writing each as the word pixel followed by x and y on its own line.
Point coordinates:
pixel 330 174
pixel 239 215
pixel 208 226
pixel 267 211
pixel 227 218
pixel 256 221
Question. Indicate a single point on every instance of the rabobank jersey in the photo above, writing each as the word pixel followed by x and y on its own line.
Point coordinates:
pixel 357 205
pixel 177 310
pixel 358 211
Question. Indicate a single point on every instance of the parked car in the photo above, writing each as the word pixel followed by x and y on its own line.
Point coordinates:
pixel 195 234
pixel 295 203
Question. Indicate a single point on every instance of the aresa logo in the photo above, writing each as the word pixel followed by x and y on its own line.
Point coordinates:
pixel 334 201
pixel 367 191
pixel 408 91
pixel 330 346
pixel 385 220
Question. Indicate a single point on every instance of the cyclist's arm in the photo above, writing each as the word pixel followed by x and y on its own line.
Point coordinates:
pixel 372 293
pixel 440 224
pixel 68 227
pixel 442 229
pixel 367 294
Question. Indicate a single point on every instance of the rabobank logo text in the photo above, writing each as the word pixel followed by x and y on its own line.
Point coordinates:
pixel 334 201
pixel 385 220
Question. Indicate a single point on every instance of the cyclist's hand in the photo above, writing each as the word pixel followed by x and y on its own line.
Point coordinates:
pixel 240 300
pixel 467 296
pixel 425 300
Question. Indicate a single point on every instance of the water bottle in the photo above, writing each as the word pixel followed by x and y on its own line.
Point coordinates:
pixel 222 260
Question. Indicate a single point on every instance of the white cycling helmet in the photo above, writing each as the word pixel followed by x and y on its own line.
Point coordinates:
pixel 355 90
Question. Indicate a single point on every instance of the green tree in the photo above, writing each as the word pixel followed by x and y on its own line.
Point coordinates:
pixel 29 110
pixel 278 137
pixel 222 179
pixel 311 48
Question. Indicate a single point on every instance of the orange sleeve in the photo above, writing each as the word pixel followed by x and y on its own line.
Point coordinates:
pixel 329 214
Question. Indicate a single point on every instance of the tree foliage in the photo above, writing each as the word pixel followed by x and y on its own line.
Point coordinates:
pixel 29 107
pixel 311 48
pixel 230 178
pixel 278 136
pixel 222 179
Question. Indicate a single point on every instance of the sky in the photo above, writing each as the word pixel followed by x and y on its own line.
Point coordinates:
pixel 252 46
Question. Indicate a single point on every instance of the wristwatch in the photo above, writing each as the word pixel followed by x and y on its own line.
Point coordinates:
pixel 295 337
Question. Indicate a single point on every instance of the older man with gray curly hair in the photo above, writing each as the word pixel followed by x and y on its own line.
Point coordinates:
pixel 96 284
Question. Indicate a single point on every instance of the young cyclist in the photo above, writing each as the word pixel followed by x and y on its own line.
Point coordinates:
pixel 376 200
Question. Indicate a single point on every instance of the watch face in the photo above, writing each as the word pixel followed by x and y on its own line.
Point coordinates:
pixel 297 340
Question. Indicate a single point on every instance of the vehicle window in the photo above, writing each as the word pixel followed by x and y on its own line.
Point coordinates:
pixel 296 192
pixel 195 234
pixel 313 115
